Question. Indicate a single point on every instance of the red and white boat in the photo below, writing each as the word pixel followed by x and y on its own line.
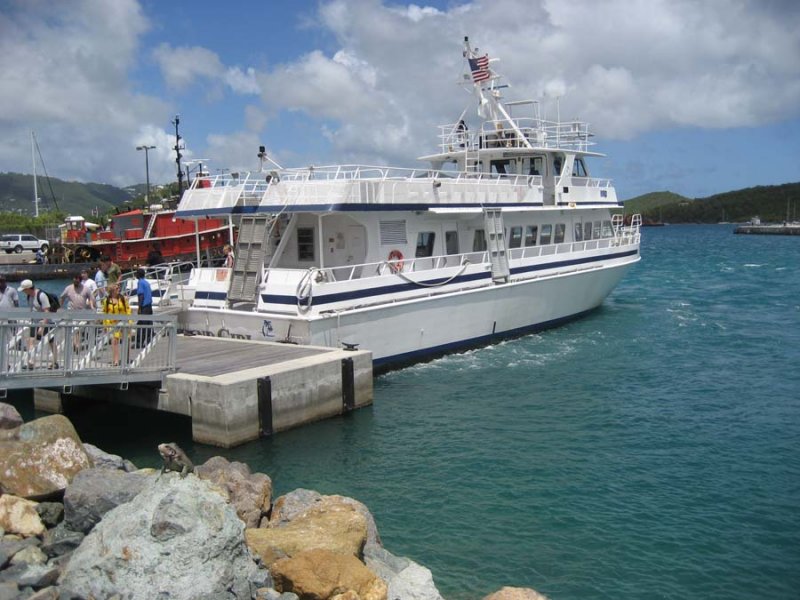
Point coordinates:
pixel 132 235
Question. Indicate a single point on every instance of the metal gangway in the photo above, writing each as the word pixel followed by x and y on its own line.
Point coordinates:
pixel 76 348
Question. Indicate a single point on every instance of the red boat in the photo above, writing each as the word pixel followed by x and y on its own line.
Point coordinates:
pixel 132 235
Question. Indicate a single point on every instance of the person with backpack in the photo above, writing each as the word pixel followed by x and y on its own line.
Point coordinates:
pixel 115 304
pixel 43 302
pixel 80 297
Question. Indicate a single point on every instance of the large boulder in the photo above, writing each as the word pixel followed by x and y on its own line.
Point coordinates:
pixel 19 516
pixel 321 574
pixel 9 417
pixel 250 493
pixel 42 459
pixel 94 492
pixel 515 593
pixel 338 528
pixel 178 539
pixel 406 579
pixel 297 502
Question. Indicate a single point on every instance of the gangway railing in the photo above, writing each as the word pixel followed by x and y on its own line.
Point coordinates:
pixel 70 348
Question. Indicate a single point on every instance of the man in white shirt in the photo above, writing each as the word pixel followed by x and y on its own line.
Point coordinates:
pixel 89 283
pixel 39 302
pixel 100 281
pixel 9 298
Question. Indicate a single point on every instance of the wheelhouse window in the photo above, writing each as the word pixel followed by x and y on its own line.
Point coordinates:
pixel 479 241
pixel 579 169
pixel 547 234
pixel 596 230
pixel 607 231
pixel 531 232
pixel 587 230
pixel 451 242
pixel 561 229
pixel 425 241
pixel 536 166
pixel 305 243
pixel 557 162
pixel 500 166
pixel 515 240
pixel 578 232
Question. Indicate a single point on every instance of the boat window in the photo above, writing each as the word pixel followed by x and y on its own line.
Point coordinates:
pixel 479 241
pixel 596 230
pixel 587 230
pixel 305 243
pixel 607 231
pixel 531 232
pixel 578 168
pixel 425 241
pixel 393 233
pixel 547 232
pixel 561 229
pixel 499 166
pixel 578 232
pixel 515 241
pixel 537 167
pixel 557 165
pixel 451 242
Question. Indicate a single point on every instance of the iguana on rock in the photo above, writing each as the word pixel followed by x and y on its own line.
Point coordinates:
pixel 175 459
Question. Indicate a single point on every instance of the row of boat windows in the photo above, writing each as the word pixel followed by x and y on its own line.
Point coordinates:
pixel 518 236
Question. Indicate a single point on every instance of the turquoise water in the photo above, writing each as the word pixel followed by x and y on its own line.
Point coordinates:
pixel 651 450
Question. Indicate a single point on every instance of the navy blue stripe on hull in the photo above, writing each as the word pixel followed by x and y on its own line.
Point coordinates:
pixel 388 363
pixel 405 287
pixel 201 295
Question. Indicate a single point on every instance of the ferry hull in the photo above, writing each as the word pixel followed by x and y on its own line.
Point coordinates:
pixel 403 332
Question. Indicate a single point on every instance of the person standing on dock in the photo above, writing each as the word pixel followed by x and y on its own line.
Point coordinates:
pixel 112 270
pixel 100 282
pixel 80 298
pixel 144 294
pixel 115 304
pixel 89 283
pixel 9 298
pixel 39 302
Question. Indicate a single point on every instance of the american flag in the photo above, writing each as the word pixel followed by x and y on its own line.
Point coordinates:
pixel 480 68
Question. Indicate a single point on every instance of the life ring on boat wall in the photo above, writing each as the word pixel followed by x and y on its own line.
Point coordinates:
pixel 395 260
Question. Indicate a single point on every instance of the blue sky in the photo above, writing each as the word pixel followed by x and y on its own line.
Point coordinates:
pixel 693 97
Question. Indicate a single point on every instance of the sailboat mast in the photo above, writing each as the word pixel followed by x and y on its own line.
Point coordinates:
pixel 35 189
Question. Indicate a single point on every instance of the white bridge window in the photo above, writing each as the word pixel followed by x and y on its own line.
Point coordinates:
pixel 425 241
pixel 305 243
pixel 393 233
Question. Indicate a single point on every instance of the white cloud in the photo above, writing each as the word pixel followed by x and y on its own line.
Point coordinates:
pixel 181 66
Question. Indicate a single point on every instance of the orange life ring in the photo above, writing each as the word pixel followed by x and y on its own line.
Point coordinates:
pixel 395 261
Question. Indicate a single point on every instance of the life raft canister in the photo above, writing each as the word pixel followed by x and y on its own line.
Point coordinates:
pixel 395 260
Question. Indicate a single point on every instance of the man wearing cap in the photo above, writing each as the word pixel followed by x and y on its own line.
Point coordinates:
pixel 9 298
pixel 39 302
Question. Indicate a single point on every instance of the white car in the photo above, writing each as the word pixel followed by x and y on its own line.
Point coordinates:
pixel 17 242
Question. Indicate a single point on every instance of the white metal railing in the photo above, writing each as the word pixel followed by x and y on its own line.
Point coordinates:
pixel 83 347
pixel 168 283
pixel 539 133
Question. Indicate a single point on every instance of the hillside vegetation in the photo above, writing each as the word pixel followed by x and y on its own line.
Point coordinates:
pixel 767 202
pixel 72 197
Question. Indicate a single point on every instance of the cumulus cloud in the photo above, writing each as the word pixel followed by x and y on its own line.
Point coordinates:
pixel 65 75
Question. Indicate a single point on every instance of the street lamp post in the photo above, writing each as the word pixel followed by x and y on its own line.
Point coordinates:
pixel 147 170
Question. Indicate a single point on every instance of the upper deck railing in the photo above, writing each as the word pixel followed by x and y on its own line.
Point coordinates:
pixel 550 135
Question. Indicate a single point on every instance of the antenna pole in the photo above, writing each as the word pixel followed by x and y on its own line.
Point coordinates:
pixel 178 154
pixel 35 189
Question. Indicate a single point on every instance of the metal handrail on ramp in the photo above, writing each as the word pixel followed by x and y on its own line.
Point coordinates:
pixel 69 348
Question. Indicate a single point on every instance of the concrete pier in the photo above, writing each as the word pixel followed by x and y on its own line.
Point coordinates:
pixel 238 390
pixel 789 229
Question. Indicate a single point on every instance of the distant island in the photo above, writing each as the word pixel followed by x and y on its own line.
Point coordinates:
pixel 771 203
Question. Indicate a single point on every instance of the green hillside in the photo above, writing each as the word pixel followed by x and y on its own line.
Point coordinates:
pixel 72 197
pixel 767 202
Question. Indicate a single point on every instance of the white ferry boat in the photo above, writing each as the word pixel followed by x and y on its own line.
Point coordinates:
pixel 505 233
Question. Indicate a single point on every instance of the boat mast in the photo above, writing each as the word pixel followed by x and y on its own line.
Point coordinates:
pixel 35 189
pixel 178 154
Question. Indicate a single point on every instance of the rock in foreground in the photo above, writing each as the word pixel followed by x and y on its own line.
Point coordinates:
pixel 177 539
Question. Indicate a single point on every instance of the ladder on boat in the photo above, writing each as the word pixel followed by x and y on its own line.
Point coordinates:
pixel 253 250
pixel 148 232
pixel 496 244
